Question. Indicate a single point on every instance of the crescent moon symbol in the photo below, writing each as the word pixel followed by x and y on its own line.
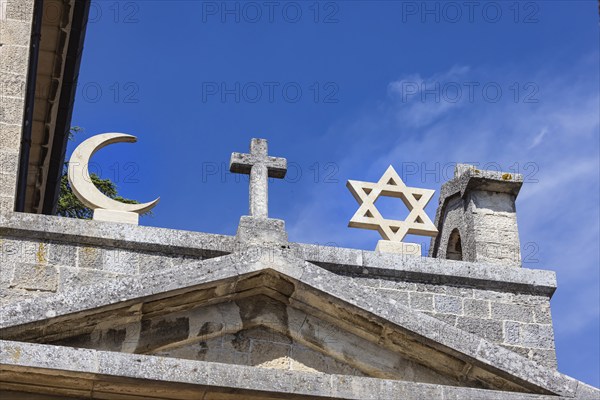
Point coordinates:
pixel 81 183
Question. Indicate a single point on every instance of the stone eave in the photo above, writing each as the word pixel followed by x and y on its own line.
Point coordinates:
pixel 363 300
pixel 100 374
pixel 51 86
pixel 340 260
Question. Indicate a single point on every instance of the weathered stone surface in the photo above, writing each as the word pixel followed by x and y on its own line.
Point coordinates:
pixel 121 261
pixel 10 139
pixel 448 304
pixel 14 59
pixel 15 32
pixel 421 301
pixel 329 256
pixel 485 328
pixel 586 392
pixel 90 257
pixel 537 336
pixel 398 296
pixel 554 381
pixel 512 312
pixel 370 269
pixel 13 85
pixel 8 162
pixel 512 333
pixel 210 376
pixel 99 234
pixel 259 231
pixel 260 167
pixel 35 277
pixel 8 185
pixel 364 298
pixel 476 308
pixel 462 273
pixel 313 274
pixel 19 10
pixel 337 259
pixel 15 250
pixel 149 262
pixel 73 278
pixel 542 314
pixel 407 249
pixel 11 108
pixel 62 254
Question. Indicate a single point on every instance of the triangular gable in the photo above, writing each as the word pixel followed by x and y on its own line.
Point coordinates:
pixel 352 308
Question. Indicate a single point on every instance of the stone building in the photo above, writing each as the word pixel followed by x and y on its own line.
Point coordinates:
pixel 102 310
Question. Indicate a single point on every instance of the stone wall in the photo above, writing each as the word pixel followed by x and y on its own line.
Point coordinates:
pixel 505 315
pixel 15 32
pixel 42 267
pixel 507 306
pixel 519 322
pixel 494 224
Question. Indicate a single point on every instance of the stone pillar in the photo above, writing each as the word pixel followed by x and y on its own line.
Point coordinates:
pixel 16 17
pixel 476 217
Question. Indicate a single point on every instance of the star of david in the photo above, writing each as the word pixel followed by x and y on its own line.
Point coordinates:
pixel 415 199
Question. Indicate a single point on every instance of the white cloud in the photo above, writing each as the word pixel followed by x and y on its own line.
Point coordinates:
pixel 422 101
pixel 538 138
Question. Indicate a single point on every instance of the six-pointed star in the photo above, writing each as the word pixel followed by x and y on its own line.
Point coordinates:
pixel 368 217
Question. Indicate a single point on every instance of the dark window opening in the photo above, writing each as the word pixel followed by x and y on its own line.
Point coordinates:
pixel 454 251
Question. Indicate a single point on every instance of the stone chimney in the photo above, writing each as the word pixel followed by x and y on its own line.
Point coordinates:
pixel 476 217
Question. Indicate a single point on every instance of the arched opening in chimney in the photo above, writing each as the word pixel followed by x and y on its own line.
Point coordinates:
pixel 454 251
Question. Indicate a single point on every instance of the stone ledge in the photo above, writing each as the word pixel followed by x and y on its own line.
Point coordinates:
pixel 369 264
pixel 467 177
pixel 125 236
pixel 98 366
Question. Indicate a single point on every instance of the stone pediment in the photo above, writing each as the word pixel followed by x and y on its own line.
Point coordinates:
pixel 260 309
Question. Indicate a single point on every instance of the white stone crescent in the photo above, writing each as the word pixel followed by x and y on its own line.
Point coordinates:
pixel 81 183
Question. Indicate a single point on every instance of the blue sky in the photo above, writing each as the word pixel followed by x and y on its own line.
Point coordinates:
pixel 344 89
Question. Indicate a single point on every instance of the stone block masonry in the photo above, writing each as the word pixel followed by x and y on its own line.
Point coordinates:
pixel 37 268
pixel 41 255
pixel 510 319
pixel 15 32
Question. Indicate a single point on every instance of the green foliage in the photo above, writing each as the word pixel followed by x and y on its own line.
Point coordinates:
pixel 70 206
pixel 74 130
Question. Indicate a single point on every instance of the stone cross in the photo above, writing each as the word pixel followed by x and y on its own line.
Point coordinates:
pixel 260 166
